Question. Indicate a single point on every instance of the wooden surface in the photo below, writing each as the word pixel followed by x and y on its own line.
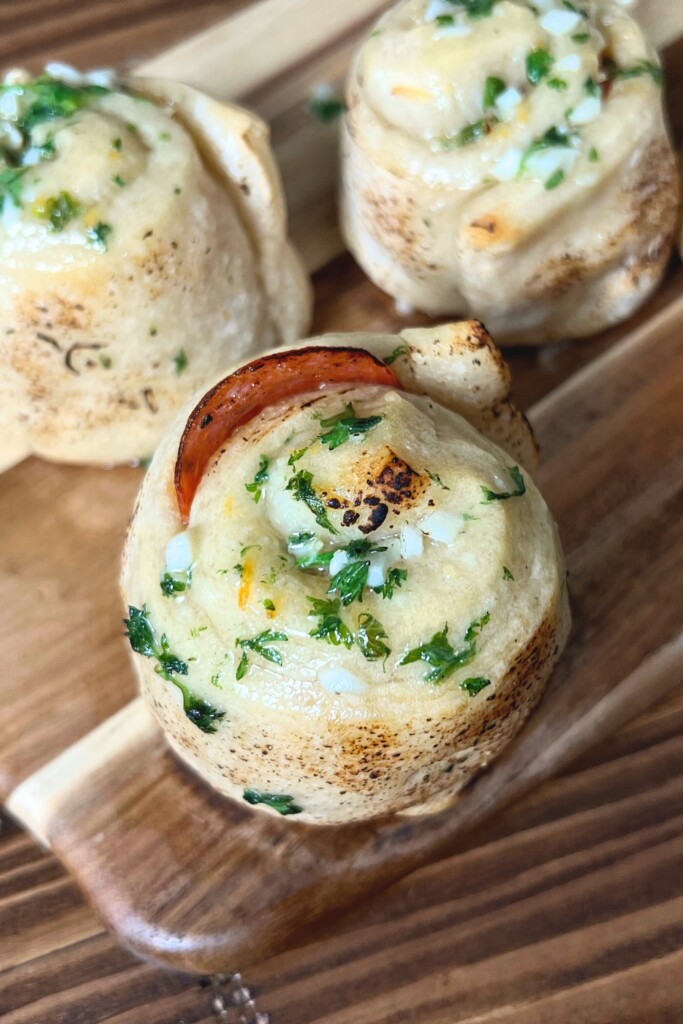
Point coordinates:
pixel 572 906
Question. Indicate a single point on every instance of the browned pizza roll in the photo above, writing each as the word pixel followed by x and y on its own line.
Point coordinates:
pixel 510 160
pixel 344 591
pixel 143 249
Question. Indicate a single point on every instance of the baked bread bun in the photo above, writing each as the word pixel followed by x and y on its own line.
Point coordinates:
pixel 344 591
pixel 143 249
pixel 510 161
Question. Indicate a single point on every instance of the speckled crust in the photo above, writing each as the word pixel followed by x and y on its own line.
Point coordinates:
pixel 432 227
pixel 198 263
pixel 402 745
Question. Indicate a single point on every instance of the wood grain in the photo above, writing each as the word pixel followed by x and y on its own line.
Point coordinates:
pixel 572 909
pixel 199 882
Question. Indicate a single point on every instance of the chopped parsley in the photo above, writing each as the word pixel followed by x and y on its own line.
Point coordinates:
pixel 492 90
pixel 346 425
pixel 442 656
pixel 642 67
pixel 591 87
pixel 173 583
pixel 98 237
pixel 400 350
pixel 326 108
pixel 296 455
pixel 538 65
pixel 395 578
pixel 507 575
pixel 117 145
pixel 580 37
pixel 370 637
pixel 474 685
pixel 593 155
pixel 180 361
pixel 259 645
pixel 59 210
pixel 260 478
pixel 296 540
pixel 520 488
pixel 301 486
pixel 49 99
pixel 475 8
pixel 118 180
pixel 330 626
pixel 350 582
pixel 315 560
pixel 282 804
pixel 469 134
pixel 554 180
pixel 268 605
pixel 141 635
pixel 435 478
pixel 558 84
pixel 10 185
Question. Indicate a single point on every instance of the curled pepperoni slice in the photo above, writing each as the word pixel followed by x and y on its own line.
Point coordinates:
pixel 237 399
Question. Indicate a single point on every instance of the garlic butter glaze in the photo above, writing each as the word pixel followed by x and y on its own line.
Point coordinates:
pixel 510 160
pixel 143 249
pixel 368 596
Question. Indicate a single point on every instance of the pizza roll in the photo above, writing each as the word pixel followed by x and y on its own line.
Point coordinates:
pixel 143 249
pixel 510 161
pixel 345 594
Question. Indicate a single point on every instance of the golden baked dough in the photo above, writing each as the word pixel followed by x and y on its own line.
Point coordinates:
pixel 510 161
pixel 143 249
pixel 369 596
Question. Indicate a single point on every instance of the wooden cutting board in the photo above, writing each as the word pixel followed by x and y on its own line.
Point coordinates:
pixel 191 879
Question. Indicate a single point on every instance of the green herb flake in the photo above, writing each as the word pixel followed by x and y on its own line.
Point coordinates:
pixel 326 108
pixel 591 87
pixel 580 37
pixel 493 88
pixel 395 578
pixel 520 488
pixel 399 351
pixel 370 637
pixel 59 210
pixel 165 136
pixel 106 362
pixel 638 70
pixel 296 540
pixel 118 180
pixel 554 180
pixel 507 575
pixel 474 685
pixel 11 185
pixel 469 134
pixel 180 361
pixel 268 605
pixel 593 155
pixel 260 645
pixel 282 804
pixel 98 237
pixel 445 21
pixel 296 455
pixel 317 560
pixel 435 478
pixel 142 637
pixel 153 331
pixel 442 656
pixel 350 582
pixel 260 478
pixel 173 583
pixel 475 8
pixel 330 626
pixel 558 84
pixel 301 486
pixel 538 65
pixel 117 145
pixel 346 425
